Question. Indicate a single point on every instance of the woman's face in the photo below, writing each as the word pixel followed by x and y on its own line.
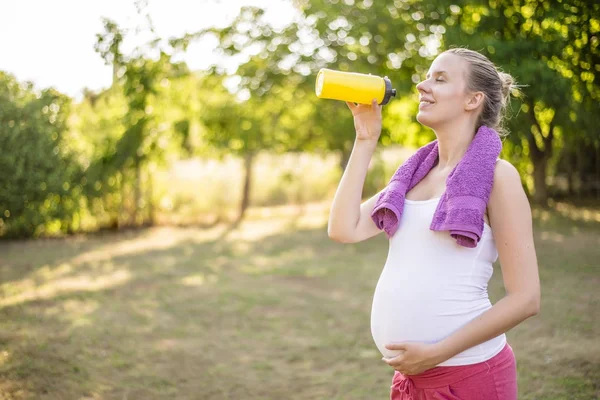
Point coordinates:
pixel 443 95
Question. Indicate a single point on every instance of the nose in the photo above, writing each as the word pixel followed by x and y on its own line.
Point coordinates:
pixel 422 86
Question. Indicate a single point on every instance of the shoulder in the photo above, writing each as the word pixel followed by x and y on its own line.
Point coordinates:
pixel 506 174
pixel 507 187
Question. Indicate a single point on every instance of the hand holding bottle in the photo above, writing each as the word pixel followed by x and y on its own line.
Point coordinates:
pixel 367 120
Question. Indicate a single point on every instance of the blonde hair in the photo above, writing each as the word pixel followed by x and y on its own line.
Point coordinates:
pixel 483 76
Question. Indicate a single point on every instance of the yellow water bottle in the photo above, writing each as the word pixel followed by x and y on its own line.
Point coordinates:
pixel 353 87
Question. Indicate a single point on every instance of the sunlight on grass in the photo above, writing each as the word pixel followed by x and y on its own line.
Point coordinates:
pixel 73 308
pixel 77 312
pixel 262 264
pixel 143 314
pixel 4 356
pixel 258 265
pixel 552 236
pixel 575 213
pixel 28 291
pixel 257 231
pixel 282 221
pixel 315 271
pixel 48 272
pixel 199 280
pixel 541 215
pixel 277 179
pixel 160 238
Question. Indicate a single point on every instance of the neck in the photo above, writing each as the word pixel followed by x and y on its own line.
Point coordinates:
pixel 453 143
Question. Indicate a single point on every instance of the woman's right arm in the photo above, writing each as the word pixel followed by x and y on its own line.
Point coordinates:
pixel 349 220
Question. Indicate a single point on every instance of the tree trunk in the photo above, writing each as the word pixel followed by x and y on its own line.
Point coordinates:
pixel 539 158
pixel 580 168
pixel 570 166
pixel 540 167
pixel 115 73
pixel 122 207
pixel 137 191
pixel 248 160
pixel 597 183
pixel 150 198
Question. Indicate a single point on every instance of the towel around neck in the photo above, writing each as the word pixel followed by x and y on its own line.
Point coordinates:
pixel 462 207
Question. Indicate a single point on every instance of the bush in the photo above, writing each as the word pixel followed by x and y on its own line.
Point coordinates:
pixel 37 177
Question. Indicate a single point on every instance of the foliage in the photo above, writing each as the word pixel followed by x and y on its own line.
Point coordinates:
pixel 550 47
pixel 143 82
pixel 95 160
pixel 40 179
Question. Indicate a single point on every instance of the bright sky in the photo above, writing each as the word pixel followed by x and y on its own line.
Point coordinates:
pixel 51 43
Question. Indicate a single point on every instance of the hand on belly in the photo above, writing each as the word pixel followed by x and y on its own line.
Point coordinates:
pixel 413 358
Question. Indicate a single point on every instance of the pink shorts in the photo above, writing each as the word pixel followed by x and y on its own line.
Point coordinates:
pixel 494 379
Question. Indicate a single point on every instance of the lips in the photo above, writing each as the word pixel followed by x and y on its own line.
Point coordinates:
pixel 424 103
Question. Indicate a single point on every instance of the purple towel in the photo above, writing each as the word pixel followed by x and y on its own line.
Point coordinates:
pixel 468 188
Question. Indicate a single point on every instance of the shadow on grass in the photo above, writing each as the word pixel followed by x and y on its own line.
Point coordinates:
pixel 195 308
pixel 253 312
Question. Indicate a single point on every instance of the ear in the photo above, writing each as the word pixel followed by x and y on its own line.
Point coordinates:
pixel 474 100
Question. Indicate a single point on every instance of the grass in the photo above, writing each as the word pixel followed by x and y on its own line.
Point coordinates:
pixel 270 310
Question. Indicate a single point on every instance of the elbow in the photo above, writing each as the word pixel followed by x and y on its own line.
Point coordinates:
pixel 533 305
pixel 333 235
pixel 535 309
pixel 336 236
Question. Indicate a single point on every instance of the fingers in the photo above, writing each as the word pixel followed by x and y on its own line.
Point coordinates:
pixel 397 346
pixel 373 106
pixel 394 361
pixel 400 368
pixel 397 364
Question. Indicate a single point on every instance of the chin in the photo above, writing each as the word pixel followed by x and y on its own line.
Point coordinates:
pixel 424 120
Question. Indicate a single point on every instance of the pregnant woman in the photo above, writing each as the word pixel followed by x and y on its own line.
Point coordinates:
pixel 449 212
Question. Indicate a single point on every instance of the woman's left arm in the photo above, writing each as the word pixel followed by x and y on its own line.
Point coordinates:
pixel 511 221
pixel 510 218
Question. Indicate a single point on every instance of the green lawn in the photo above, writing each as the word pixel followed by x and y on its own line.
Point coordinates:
pixel 270 310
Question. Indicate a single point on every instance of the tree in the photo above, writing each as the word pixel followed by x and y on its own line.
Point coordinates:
pixel 243 128
pixel 39 176
pixel 551 44
pixel 108 45
pixel 552 48
pixel 347 37
pixel 141 80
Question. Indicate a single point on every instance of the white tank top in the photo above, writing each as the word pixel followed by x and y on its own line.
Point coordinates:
pixel 430 286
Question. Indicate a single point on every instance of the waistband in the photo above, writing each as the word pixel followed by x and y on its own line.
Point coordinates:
pixel 444 376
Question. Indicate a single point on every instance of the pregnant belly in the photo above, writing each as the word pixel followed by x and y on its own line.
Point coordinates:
pixel 421 312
